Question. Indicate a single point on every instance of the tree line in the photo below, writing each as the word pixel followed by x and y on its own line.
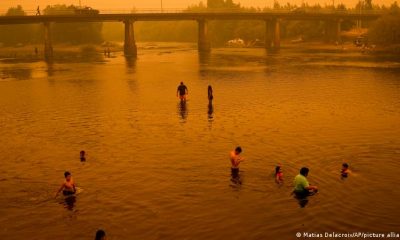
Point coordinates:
pixel 223 31
pixel 72 33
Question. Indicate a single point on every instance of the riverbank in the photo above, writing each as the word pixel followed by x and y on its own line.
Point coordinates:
pixel 64 52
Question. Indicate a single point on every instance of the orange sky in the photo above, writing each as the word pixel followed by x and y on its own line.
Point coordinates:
pixel 128 4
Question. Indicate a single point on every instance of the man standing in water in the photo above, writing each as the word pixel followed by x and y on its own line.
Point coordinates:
pixel 182 91
pixel 68 187
pixel 210 94
pixel 301 185
pixel 236 159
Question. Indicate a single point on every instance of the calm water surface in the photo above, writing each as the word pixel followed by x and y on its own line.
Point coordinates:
pixel 159 170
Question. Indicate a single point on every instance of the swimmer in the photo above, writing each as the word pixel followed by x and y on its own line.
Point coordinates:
pixel 278 175
pixel 100 235
pixel 236 159
pixel 82 156
pixel 182 91
pixel 68 187
pixel 345 170
pixel 301 185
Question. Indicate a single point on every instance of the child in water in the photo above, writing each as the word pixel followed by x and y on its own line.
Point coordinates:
pixel 278 175
pixel 345 170
pixel 68 187
pixel 82 156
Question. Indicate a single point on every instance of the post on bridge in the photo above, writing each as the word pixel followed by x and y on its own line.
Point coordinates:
pixel 48 47
pixel 203 40
pixel 272 34
pixel 130 48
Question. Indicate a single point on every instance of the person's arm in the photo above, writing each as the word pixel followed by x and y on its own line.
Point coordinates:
pixel 74 187
pixel 187 91
pixel 310 187
pixel 60 189
pixel 277 178
pixel 307 186
pixel 177 92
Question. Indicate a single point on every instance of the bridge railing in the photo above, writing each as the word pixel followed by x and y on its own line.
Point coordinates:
pixel 207 10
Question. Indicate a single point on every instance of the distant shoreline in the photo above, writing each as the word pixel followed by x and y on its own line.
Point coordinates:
pixel 27 52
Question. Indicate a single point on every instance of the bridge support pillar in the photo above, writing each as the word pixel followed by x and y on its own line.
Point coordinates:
pixel 277 34
pixel 332 31
pixel 337 30
pixel 48 47
pixel 130 48
pixel 203 40
pixel 268 34
pixel 272 34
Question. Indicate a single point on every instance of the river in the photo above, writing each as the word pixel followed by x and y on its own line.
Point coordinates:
pixel 156 169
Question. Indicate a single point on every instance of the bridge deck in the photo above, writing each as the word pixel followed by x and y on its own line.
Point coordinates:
pixel 186 16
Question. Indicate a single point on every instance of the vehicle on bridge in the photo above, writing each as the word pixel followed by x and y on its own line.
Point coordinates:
pixel 298 10
pixel 86 11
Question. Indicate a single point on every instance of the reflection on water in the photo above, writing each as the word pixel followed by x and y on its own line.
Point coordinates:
pixel 146 167
pixel 210 111
pixel 182 110
pixel 18 73
pixel 236 177
pixel 69 202
pixel 302 199
pixel 50 68
pixel 130 62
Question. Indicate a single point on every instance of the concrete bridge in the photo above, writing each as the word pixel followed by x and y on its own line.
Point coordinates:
pixel 272 22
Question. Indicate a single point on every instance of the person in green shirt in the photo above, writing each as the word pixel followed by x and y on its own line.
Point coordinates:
pixel 301 185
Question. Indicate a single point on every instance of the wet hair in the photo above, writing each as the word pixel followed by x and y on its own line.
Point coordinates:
pixel 277 168
pixel 238 149
pixel 345 165
pixel 66 174
pixel 100 234
pixel 304 171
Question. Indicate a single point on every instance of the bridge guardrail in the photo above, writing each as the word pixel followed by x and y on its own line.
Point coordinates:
pixel 219 10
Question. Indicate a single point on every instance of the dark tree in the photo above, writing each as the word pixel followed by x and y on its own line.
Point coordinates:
pixel 74 33
pixel 17 34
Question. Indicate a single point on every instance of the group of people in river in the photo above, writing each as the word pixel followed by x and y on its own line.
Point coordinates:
pixel 301 186
pixel 183 91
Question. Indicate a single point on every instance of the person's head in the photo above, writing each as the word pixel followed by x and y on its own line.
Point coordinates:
pixel 209 87
pixel 277 169
pixel 67 175
pixel 304 171
pixel 181 83
pixel 345 166
pixel 100 235
pixel 238 150
pixel 82 153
